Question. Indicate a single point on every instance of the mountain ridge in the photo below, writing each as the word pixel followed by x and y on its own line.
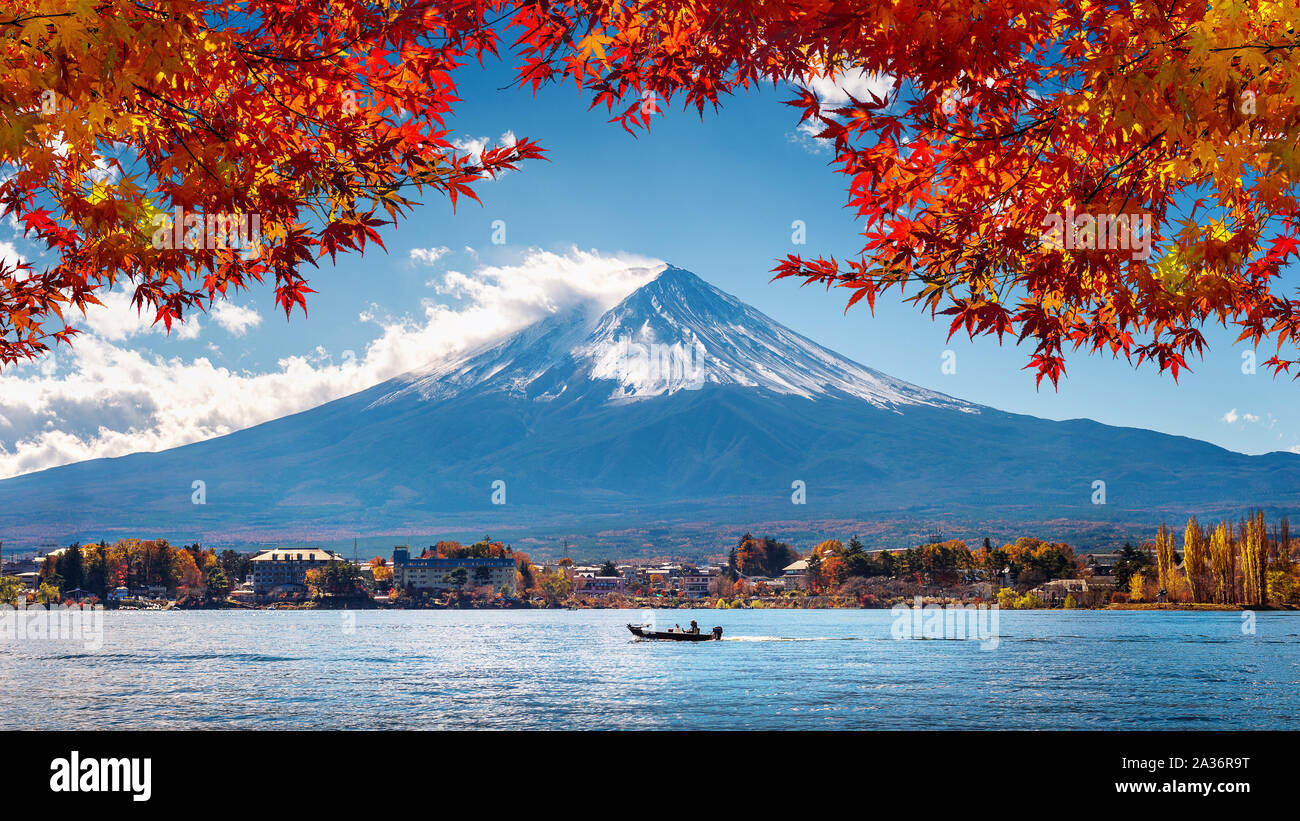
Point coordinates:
pixel 678 404
pixel 681 312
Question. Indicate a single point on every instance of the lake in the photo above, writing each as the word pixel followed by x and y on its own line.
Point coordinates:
pixel 549 669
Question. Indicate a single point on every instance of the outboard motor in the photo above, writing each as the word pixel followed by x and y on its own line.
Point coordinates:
pixel 717 634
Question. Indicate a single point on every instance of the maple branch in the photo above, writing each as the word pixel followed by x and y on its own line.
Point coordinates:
pixel 17 21
pixel 187 111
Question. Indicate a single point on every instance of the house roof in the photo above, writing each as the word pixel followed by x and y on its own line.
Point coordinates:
pixel 795 567
pixel 308 554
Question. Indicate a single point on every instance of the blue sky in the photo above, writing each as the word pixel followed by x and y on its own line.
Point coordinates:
pixel 716 196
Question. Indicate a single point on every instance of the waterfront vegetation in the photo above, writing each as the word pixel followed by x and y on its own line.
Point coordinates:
pixel 188 575
pixel 1226 565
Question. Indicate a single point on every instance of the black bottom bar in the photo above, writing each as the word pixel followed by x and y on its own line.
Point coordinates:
pixel 375 771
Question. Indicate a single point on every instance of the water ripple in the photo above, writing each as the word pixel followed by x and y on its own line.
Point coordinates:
pixel 581 670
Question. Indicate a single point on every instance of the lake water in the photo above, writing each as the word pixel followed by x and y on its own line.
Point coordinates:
pixel 787 669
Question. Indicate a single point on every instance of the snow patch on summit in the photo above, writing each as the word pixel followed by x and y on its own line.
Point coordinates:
pixel 680 333
pixel 674 333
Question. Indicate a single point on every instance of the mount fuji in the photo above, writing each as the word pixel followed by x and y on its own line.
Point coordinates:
pixel 679 405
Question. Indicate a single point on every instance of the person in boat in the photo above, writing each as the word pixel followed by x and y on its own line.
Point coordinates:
pixel 695 628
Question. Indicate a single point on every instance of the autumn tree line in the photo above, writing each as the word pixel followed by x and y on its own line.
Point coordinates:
pixel 1225 563
pixel 195 574
pixel 190 572
pixel 1028 561
pixel 759 557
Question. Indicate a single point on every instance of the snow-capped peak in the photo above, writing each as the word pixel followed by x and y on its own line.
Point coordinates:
pixel 673 334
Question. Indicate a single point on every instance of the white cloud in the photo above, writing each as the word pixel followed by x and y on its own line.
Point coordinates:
pixel 9 256
pixel 117 320
pixel 428 256
pixel 104 171
pixel 475 146
pixel 498 299
pixel 805 136
pixel 234 318
pixel 102 398
pixel 1232 416
pixel 834 91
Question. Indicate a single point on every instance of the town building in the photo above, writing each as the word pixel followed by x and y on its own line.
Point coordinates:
pixel 26 569
pixel 38 561
pixel 598 585
pixel 284 569
pixel 1102 564
pixel 631 573
pixel 440 574
pixel 1086 592
pixel 796 575
pixel 17 567
pixel 695 584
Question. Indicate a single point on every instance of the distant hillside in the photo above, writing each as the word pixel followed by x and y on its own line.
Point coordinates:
pixel 679 414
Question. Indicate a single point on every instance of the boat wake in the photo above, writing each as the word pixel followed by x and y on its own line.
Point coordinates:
pixel 790 638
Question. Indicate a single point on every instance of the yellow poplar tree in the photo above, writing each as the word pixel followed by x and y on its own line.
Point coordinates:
pixel 1165 558
pixel 1194 560
pixel 1135 586
pixel 1254 561
pixel 1223 564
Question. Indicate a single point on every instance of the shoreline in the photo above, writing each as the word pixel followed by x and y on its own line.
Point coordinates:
pixel 758 604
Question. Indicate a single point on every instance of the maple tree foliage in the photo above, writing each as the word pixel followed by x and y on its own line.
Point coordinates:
pixel 1000 115
pixel 318 117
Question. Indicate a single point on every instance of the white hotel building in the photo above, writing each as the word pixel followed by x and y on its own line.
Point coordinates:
pixel 437 574
pixel 286 568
